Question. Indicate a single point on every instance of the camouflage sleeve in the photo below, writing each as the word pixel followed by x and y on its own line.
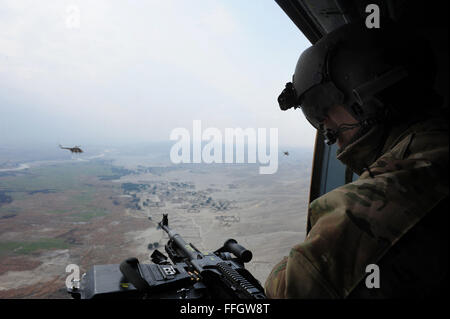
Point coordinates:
pixel 296 277
pixel 275 285
pixel 354 225
pixel 303 278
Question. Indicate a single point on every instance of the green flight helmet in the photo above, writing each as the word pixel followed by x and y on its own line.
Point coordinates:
pixel 353 66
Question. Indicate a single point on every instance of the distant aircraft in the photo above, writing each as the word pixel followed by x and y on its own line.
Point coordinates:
pixel 75 149
pixel 286 153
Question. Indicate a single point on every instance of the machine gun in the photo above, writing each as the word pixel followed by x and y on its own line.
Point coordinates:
pixel 190 274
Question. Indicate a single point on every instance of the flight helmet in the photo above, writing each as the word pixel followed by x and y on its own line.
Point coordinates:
pixel 353 66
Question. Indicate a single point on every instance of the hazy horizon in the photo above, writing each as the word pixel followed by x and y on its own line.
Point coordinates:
pixel 83 72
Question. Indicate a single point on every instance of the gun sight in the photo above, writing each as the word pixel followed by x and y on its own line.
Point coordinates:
pixel 165 220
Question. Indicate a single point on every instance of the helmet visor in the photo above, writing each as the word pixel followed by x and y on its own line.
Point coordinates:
pixel 317 101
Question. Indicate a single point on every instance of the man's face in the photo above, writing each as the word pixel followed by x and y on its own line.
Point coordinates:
pixel 336 116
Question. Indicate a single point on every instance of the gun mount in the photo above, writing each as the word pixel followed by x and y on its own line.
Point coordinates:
pixel 186 273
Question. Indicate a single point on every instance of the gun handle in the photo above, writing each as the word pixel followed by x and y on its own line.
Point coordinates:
pixel 240 252
pixel 130 269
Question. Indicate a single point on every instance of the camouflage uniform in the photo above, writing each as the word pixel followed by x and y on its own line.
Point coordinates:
pixel 393 216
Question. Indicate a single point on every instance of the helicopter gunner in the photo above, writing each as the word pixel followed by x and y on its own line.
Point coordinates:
pixel 370 91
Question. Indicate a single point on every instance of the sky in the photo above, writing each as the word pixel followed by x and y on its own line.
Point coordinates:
pixel 109 71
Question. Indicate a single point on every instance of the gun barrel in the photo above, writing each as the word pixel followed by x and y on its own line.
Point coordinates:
pixel 169 231
pixel 186 249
